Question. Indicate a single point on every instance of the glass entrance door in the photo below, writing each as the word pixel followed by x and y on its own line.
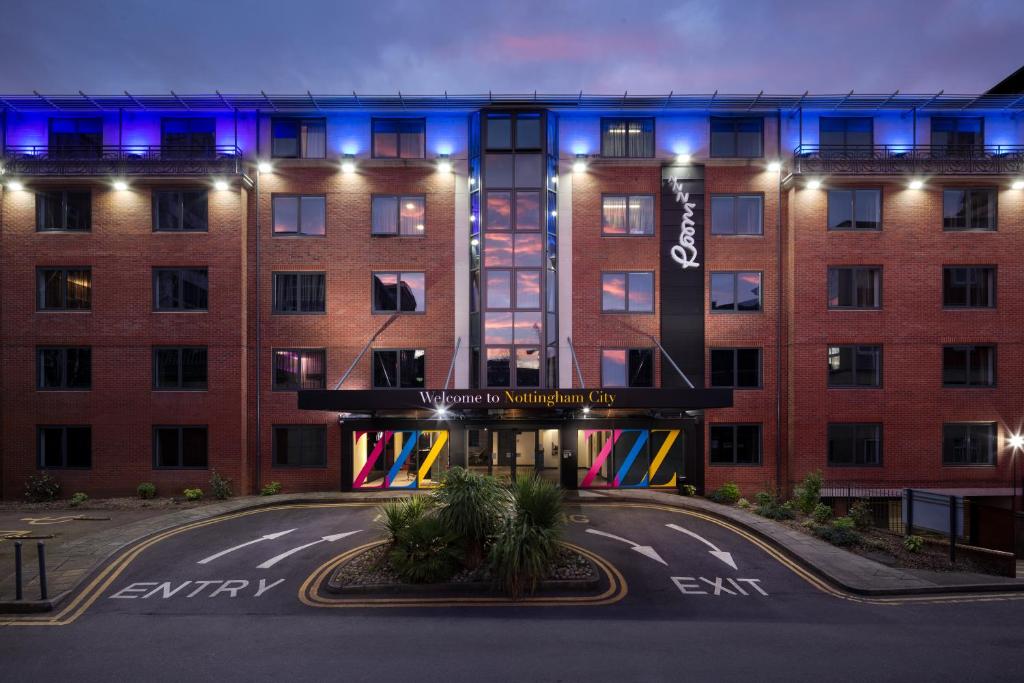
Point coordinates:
pixel 508 453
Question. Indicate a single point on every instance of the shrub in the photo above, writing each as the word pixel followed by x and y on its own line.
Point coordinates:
pixel 470 506
pixel 913 544
pixel 861 514
pixel 424 551
pixel 768 506
pixel 762 498
pixel 221 486
pixel 78 498
pixel 822 513
pixel 808 493
pixel 840 532
pixel 192 494
pixel 41 487
pixel 688 490
pixel 527 540
pixel 743 503
pixel 399 514
pixel 727 494
pixel 146 490
pixel 271 488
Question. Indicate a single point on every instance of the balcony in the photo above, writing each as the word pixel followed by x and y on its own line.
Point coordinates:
pixel 898 160
pixel 122 160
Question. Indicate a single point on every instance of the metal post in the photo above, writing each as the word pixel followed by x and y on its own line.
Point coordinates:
pixel 17 570
pixel 451 368
pixel 952 529
pixel 575 362
pixel 42 570
pixel 909 493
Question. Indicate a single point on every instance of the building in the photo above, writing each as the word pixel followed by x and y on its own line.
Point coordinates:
pixel 355 291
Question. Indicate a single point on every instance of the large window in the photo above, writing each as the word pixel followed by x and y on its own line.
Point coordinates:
pixel 180 289
pixel 854 287
pixel 737 214
pixel 399 138
pixel 64 289
pixel 180 447
pixel 969 209
pixel 296 369
pixel 968 443
pixel 846 135
pixel 957 135
pixel 735 444
pixel 969 286
pixel 736 368
pixel 64 367
pixel 627 137
pixel 398 215
pixel 188 138
pixel 627 215
pixel 399 293
pixel 399 369
pixel 180 211
pixel 854 210
pixel 300 446
pixel 969 366
pixel 627 292
pixel 300 215
pixel 737 137
pixel 738 292
pixel 854 366
pixel 64 210
pixel 852 445
pixel 76 138
pixel 300 293
pixel 179 368
pixel 64 447
pixel 627 368
pixel 298 138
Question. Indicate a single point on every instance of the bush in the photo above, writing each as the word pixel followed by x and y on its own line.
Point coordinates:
pixel 192 494
pixel 768 506
pixel 727 494
pixel 470 506
pixel 527 540
pixel 822 513
pixel 78 499
pixel 424 551
pixel 808 494
pixel 913 544
pixel 840 532
pixel 861 514
pixel 146 490
pixel 762 498
pixel 743 503
pixel 688 490
pixel 221 486
pixel 271 488
pixel 41 488
pixel 399 514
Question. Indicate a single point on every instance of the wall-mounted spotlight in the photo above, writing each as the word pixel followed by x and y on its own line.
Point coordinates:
pixel 813 184
pixel 775 166
pixel 441 412
pixel 580 165
pixel 220 185
pixel 683 158
pixel 120 185
pixel 474 242
pixel 586 410
pixel 15 186
pixel 916 184
pixel 264 167
pixel 1016 185
pixel 444 163
pixel 1016 441
pixel 348 163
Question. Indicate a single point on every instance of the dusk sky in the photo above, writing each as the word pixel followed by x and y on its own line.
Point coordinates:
pixel 422 46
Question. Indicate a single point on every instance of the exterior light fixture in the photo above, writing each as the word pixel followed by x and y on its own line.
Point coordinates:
pixel 348 164
pixel 120 185
pixel 472 218
pixel 15 186
pixel 444 163
pixel 441 412
pixel 2 170
pixel 419 227
pixel 683 158
pixel 580 165
pixel 586 410
pixel 554 214
pixel 775 166
pixel 264 167
pixel 474 242
pixel 1016 441
pixel 813 184
pixel 916 184
pixel 1017 184
pixel 220 185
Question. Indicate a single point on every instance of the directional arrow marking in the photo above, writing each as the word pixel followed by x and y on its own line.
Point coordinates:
pixel 642 549
pixel 329 539
pixel 222 553
pixel 720 554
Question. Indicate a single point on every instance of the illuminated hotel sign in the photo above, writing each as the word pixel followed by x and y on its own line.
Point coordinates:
pixel 684 253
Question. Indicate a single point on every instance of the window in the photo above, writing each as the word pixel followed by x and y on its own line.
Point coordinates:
pixel 399 138
pixel 64 289
pixel 737 137
pixel 299 292
pixel 397 215
pixel 850 287
pixel 395 369
pixel 735 292
pixel 957 136
pixel 627 292
pixel 64 210
pixel 735 445
pixel 188 138
pixel 64 367
pixel 846 135
pixel 627 215
pixel 969 366
pixel 179 368
pixel 854 210
pixel 969 286
pixel 180 289
pixel 76 138
pixel 499 131
pixel 528 134
pixel 854 366
pixel 737 214
pixel 180 210
pixel 736 368
pixel 973 209
pixel 300 446
pixel 627 137
pixel 64 447
pixel 854 444
pixel 967 443
pixel 298 138
pixel 180 447
pixel 627 368
pixel 399 293
pixel 296 369
pixel 300 215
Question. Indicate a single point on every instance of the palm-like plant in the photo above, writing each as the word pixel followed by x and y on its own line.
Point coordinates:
pixel 471 506
pixel 527 540
pixel 399 514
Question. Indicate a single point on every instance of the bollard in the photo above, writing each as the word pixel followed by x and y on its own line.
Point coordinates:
pixel 17 570
pixel 42 570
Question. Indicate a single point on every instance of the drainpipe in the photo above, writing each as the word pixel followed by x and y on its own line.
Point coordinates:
pixel 259 326
pixel 778 315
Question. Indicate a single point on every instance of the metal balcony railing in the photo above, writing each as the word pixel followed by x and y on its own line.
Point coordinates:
pixel 122 160
pixel 982 160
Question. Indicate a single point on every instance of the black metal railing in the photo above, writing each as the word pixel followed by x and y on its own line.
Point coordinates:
pixel 122 160
pixel 907 160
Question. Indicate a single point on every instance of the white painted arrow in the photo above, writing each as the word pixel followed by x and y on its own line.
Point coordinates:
pixel 720 554
pixel 329 539
pixel 222 553
pixel 642 549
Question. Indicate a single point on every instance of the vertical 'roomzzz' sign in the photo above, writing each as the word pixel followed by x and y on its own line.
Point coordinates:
pixel 685 252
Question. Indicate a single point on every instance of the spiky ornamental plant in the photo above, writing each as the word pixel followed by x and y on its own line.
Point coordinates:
pixel 527 540
pixel 471 507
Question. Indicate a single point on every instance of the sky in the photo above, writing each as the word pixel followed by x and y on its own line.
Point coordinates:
pixel 552 46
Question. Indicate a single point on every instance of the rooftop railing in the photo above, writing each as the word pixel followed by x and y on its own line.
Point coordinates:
pixel 122 160
pixel 984 160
